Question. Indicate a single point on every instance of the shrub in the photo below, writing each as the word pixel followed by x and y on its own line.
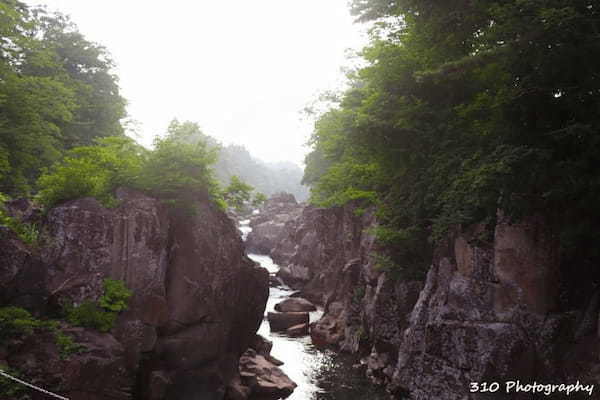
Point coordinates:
pixel 93 171
pixel 16 322
pixel 101 315
pixel 179 173
pixel 88 314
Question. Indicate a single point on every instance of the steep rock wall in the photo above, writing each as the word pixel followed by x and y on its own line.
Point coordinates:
pixel 489 309
pixel 197 299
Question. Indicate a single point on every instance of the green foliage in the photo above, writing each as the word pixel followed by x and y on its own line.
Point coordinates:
pixel 101 315
pixel 258 199
pixel 56 92
pixel 178 170
pixel 93 171
pixel 66 344
pixel 16 322
pixel 88 314
pixel 462 110
pixel 10 389
pixel 237 193
pixel 115 296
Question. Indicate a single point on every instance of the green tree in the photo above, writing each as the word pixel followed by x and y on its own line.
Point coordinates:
pixel 56 92
pixel 237 193
pixel 258 199
pixel 180 173
pixel 94 171
pixel 464 108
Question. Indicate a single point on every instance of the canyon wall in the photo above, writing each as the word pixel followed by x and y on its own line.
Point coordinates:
pixel 490 308
pixel 197 299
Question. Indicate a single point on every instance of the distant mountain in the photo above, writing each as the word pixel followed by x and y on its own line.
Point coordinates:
pixel 267 178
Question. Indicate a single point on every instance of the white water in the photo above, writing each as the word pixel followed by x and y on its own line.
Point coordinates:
pixel 320 375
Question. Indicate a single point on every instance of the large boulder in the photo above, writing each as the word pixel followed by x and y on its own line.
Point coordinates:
pixel 295 304
pixel 279 322
pixel 197 299
pixel 297 330
pixel 265 380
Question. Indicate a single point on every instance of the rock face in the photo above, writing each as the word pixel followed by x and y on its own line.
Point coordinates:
pixel 489 312
pixel 269 225
pixel 489 309
pixel 328 254
pixel 197 300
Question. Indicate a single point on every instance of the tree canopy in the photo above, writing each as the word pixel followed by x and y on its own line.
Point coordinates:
pixel 57 92
pixel 465 108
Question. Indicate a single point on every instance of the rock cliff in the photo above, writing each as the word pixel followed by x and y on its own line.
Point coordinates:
pixel 197 299
pixel 489 310
pixel 269 225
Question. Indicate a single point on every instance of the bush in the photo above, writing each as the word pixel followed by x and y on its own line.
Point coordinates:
pixel 238 193
pixel 27 232
pixel 92 171
pixel 101 315
pixel 88 314
pixel 179 173
pixel 16 322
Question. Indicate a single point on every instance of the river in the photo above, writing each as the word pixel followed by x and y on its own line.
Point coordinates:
pixel 319 374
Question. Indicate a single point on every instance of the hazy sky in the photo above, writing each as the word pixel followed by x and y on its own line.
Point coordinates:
pixel 242 69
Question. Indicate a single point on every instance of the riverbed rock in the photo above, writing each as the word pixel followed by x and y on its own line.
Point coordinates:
pixel 197 299
pixel 295 304
pixel 264 379
pixel 297 330
pixel 279 322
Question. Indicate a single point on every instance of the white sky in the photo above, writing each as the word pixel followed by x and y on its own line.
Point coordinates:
pixel 242 69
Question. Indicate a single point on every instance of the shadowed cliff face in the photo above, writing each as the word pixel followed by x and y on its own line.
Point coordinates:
pixel 488 311
pixel 197 299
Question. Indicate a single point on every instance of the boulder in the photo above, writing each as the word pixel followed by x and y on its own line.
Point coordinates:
pixel 275 281
pixel 279 322
pixel 265 380
pixel 327 331
pixel 295 304
pixel 297 330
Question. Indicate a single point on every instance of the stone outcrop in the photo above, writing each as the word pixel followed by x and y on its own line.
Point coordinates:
pixel 489 312
pixel 197 299
pixel 489 309
pixel 270 224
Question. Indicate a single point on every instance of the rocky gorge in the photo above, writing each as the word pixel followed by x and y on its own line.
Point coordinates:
pixel 497 304
pixel 197 300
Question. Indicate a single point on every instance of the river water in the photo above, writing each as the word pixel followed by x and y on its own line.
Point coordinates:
pixel 319 374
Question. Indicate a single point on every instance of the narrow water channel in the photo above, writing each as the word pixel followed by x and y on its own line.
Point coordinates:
pixel 319 374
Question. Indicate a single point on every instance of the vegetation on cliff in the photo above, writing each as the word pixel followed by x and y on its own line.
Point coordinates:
pixel 465 108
